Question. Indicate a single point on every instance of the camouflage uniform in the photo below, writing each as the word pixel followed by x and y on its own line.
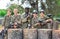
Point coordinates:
pixel 24 20
pixel 16 19
pixel 6 22
pixel 34 21
pixel 50 23
pixel 43 22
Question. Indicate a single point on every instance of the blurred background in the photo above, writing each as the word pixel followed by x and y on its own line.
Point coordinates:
pixel 50 6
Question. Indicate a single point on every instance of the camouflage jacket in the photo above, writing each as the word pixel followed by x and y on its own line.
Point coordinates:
pixel 6 21
pixel 16 19
pixel 24 20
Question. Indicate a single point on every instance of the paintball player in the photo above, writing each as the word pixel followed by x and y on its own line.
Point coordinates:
pixel 26 18
pixel 50 21
pixel 43 19
pixel 6 23
pixel 16 19
pixel 35 18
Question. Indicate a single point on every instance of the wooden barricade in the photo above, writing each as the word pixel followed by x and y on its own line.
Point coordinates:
pixel 30 33
pixel 56 34
pixel 15 34
pixel 44 34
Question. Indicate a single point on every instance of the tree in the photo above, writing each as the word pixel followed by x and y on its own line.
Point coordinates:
pixel 54 7
pixel 2 12
pixel 21 9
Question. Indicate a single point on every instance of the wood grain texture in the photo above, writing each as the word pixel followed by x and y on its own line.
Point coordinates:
pixel 15 34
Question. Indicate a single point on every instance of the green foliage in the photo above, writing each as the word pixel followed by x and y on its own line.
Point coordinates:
pixel 21 10
pixel 57 8
pixel 2 13
pixel 58 15
pixel 12 7
pixel 58 2
pixel 54 7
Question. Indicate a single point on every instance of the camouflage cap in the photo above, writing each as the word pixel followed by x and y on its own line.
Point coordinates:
pixel 42 11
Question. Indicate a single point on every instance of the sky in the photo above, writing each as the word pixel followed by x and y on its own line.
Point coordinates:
pixel 5 3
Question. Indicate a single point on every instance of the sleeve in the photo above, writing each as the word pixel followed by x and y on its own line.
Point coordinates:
pixel 23 18
pixel 46 17
pixel 32 22
pixel 19 19
pixel 12 22
pixel 3 22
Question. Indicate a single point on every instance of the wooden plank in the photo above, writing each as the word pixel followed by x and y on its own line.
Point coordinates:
pixel 56 34
pixel 44 34
pixel 15 34
pixel 30 33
